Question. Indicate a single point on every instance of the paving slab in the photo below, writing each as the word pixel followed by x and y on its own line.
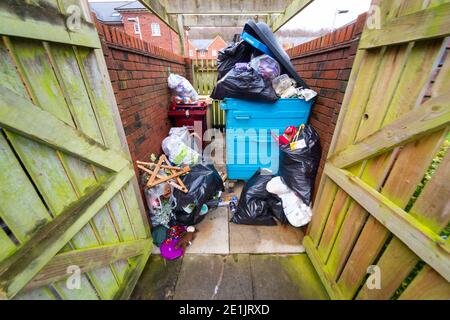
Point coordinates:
pixel 290 277
pixel 212 236
pixel 263 239
pixel 158 279
pixel 214 277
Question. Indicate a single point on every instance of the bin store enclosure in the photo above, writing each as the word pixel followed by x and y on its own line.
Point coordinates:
pixel 249 124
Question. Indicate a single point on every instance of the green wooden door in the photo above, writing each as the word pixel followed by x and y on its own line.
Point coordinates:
pixel 382 206
pixel 72 221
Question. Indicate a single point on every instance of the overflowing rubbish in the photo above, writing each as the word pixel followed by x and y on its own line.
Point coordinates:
pixel 182 90
pixel 244 82
pixel 179 147
pixel 266 66
pixel 178 238
pixel 296 211
pixel 256 205
pixel 231 55
pixel 203 182
pixel 300 161
pixel 282 83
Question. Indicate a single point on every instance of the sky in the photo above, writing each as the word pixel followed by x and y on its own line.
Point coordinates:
pixel 320 14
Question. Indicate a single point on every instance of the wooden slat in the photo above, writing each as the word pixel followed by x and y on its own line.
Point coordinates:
pixel 42 20
pixel 325 276
pixel 28 61
pixel 428 285
pixel 425 243
pixel 425 24
pixel 7 245
pixel 87 260
pixel 430 117
pixel 397 257
pixel 20 207
pixel 432 208
pixel 21 267
pixel 129 283
pixel 291 11
pixel 19 115
pixel 160 10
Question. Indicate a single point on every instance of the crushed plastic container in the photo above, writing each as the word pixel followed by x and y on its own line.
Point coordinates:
pixel 249 143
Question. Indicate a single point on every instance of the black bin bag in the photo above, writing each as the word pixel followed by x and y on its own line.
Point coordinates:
pixel 298 168
pixel 256 205
pixel 203 182
pixel 228 57
pixel 244 84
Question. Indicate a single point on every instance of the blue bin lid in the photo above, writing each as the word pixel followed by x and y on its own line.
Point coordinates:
pixel 256 43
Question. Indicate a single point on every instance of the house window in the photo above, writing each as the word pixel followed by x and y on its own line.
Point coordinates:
pixel 202 53
pixel 191 53
pixel 137 28
pixel 214 53
pixel 156 30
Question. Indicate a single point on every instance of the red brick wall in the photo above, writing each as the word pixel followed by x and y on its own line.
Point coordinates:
pixel 138 72
pixel 168 40
pixel 325 64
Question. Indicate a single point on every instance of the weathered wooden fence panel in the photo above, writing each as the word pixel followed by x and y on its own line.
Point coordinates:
pixel 383 200
pixel 68 196
pixel 205 78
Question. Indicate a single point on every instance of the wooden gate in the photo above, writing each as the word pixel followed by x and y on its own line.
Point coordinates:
pixel 69 206
pixel 204 73
pixel 383 203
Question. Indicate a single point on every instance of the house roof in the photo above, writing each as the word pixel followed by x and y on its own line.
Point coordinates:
pixel 201 44
pixel 105 11
pixel 133 5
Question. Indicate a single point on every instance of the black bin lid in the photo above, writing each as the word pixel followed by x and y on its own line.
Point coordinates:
pixel 263 33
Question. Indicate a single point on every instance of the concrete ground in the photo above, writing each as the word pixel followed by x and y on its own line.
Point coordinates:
pixel 234 262
pixel 230 277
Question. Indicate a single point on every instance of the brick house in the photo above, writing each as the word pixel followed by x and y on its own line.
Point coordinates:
pixel 138 21
pixel 205 48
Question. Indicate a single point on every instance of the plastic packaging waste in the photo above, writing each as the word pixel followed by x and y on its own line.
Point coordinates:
pixel 299 163
pixel 178 152
pixel 182 89
pixel 203 182
pixel 282 83
pixel 256 205
pixel 297 213
pixel 160 208
pixel 266 66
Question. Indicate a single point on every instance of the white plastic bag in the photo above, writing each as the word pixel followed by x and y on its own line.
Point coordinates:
pixel 179 152
pixel 296 211
pixel 182 89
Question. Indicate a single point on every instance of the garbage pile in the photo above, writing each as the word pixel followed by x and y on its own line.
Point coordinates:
pixel 251 70
pixel 182 90
pixel 258 69
pixel 178 188
pixel 286 197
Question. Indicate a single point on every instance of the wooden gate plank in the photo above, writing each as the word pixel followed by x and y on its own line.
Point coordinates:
pixel 432 208
pixel 421 240
pixel 428 285
pixel 430 117
pixel 20 208
pixel 19 115
pixel 42 20
pixel 20 268
pixel 426 24
pixel 87 259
